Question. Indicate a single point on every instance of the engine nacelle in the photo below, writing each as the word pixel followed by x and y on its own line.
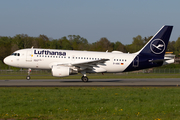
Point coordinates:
pixel 60 71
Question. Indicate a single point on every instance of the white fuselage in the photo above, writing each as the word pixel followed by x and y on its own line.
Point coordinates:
pixel 46 58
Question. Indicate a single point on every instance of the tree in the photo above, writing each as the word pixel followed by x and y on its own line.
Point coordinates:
pixel 171 46
pixel 43 41
pixel 5 45
pixel 22 41
pixel 102 45
pixel 136 45
pixel 65 43
pixel 54 44
pixel 119 46
pixel 177 46
pixel 146 39
pixel 77 42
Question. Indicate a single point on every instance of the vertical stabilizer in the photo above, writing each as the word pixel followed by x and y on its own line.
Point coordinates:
pixel 152 54
pixel 158 43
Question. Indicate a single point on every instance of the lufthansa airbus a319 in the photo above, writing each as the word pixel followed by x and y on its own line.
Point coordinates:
pixel 67 62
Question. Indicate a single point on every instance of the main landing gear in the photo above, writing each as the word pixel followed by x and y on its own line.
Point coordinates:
pixel 84 78
pixel 28 77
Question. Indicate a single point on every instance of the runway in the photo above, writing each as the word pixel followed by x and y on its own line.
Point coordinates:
pixel 157 82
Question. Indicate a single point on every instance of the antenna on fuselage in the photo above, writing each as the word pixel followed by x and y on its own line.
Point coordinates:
pixel 32 47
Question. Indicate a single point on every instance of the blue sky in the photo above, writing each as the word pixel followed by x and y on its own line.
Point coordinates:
pixel 117 20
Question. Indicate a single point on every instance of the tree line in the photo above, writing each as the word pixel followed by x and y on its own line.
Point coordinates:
pixel 75 42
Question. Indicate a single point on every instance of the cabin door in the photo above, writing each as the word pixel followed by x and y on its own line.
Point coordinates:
pixel 136 61
pixel 29 56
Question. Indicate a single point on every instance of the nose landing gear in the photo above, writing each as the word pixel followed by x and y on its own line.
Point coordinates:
pixel 28 77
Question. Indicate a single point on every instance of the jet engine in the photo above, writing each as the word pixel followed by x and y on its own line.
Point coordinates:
pixel 61 71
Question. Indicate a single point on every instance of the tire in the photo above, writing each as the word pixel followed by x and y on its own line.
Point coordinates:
pixel 28 78
pixel 85 79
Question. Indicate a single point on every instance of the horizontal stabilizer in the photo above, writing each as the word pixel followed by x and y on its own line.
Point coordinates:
pixel 165 61
pixel 159 60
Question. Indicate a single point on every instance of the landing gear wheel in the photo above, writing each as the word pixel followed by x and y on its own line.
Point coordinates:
pixel 84 79
pixel 28 77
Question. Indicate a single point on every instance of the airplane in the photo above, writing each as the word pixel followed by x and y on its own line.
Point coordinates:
pixel 67 62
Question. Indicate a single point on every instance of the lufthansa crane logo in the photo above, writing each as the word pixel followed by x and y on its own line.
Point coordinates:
pixel 157 46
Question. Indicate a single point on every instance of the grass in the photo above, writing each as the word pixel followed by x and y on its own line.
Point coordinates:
pixel 148 103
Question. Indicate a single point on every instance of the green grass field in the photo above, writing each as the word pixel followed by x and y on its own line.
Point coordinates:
pixel 91 103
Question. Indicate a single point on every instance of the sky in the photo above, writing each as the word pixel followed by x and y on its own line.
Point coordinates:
pixel 117 20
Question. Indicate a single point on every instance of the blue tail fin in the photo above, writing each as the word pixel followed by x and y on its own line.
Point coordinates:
pixel 158 43
pixel 152 54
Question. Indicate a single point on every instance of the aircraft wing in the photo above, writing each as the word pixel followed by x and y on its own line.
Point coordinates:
pixel 87 63
pixel 90 63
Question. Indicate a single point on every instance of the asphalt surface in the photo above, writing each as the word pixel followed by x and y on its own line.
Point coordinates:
pixel 157 82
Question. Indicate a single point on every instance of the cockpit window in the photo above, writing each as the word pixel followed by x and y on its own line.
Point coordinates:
pixel 16 54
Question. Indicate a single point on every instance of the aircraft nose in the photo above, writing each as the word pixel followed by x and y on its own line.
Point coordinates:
pixel 6 60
